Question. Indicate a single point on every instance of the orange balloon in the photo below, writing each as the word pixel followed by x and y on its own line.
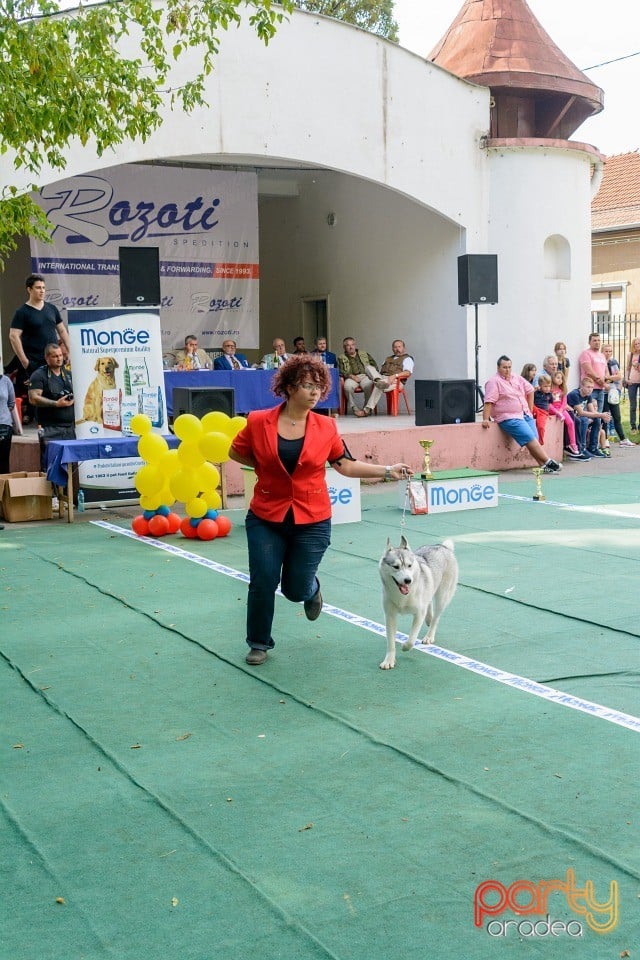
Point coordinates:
pixel 187 530
pixel 158 526
pixel 174 520
pixel 224 525
pixel 207 530
pixel 140 526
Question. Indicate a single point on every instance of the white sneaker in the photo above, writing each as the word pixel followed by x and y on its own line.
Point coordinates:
pixel 627 443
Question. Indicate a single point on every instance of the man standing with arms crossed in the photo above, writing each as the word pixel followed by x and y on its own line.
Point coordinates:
pixel 34 325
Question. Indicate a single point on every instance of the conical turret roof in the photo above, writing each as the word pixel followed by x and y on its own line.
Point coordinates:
pixel 500 44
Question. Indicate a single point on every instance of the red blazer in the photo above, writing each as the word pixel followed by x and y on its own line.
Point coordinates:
pixel 275 490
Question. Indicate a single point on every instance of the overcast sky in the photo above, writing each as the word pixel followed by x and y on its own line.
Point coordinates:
pixel 587 31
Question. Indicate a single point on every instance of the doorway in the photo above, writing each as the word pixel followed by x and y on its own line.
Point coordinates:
pixel 315 319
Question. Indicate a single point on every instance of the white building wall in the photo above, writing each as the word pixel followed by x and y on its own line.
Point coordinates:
pixel 538 193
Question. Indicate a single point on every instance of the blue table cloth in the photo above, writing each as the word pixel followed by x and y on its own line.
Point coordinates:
pixel 252 387
pixel 62 452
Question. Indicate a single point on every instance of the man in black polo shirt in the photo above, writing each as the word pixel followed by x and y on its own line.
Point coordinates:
pixel 34 325
pixel 51 393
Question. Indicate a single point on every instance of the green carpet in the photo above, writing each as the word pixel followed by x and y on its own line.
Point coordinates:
pixel 184 805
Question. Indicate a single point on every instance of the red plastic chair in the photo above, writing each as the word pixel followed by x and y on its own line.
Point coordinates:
pixel 393 398
pixel 19 407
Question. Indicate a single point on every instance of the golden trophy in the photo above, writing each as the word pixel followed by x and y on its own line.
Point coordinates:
pixel 537 472
pixel 426 470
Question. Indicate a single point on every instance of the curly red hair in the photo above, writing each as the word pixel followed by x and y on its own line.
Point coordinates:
pixel 299 369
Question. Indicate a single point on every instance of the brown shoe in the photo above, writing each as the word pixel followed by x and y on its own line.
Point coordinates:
pixel 256 657
pixel 313 606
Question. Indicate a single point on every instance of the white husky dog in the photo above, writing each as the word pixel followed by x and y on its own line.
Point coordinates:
pixel 421 584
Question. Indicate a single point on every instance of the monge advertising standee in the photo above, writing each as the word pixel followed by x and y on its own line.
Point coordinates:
pixel 117 373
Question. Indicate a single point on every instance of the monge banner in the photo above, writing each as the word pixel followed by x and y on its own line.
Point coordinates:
pixel 117 373
pixel 204 224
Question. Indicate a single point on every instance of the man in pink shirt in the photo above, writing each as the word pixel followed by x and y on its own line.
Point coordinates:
pixel 508 398
pixel 593 363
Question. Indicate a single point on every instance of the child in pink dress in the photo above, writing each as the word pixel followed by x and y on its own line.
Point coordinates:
pixel 558 408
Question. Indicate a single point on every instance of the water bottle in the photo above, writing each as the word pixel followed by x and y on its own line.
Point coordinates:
pixel 276 361
pixel 80 501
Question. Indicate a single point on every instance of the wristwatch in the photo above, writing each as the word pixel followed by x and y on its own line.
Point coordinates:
pixel 387 473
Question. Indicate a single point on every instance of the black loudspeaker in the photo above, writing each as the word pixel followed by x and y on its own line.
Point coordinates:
pixel 139 276
pixel 201 400
pixel 445 401
pixel 478 278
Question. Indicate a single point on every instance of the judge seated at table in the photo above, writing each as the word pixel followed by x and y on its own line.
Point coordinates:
pixel 230 360
pixel 192 357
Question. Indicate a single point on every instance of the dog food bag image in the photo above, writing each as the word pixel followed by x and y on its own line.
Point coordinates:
pixel 111 416
pixel 417 496
pixel 128 410
pixel 150 403
pixel 136 375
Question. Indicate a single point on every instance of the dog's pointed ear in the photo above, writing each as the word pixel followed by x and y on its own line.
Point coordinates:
pixel 403 542
pixel 388 544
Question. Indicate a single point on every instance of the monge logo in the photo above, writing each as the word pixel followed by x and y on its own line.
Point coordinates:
pixel 84 207
pixel 90 337
pixel 525 898
pixel 342 496
pixel 455 496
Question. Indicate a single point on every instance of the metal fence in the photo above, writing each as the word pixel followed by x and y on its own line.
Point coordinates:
pixel 618 330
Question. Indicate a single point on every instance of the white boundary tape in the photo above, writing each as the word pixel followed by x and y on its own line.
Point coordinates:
pixel 459 660
pixel 599 511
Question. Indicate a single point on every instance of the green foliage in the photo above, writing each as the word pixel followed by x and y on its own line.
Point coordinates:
pixel 63 78
pixel 376 16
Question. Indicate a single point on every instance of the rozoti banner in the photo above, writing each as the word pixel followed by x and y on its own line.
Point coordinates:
pixel 204 223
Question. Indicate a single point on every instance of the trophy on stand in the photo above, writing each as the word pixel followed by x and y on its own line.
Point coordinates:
pixel 537 472
pixel 426 469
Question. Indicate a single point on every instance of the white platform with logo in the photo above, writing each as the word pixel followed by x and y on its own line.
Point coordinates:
pixel 344 493
pixel 450 490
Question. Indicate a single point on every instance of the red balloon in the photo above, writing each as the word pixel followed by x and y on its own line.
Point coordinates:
pixel 187 530
pixel 224 525
pixel 140 526
pixel 158 526
pixel 174 521
pixel 207 530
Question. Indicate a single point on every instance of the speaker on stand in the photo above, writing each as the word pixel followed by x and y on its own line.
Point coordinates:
pixel 477 283
pixel 201 400
pixel 139 276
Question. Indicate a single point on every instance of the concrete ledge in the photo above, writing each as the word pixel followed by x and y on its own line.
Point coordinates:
pixel 456 445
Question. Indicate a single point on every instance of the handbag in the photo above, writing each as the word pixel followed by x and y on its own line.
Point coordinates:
pixel 614 395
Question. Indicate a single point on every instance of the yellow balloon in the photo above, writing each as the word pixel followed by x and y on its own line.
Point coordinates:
pixel 196 508
pixel 212 499
pixel 167 499
pixel 169 463
pixel 215 422
pixel 190 455
pixel 184 485
pixel 140 424
pixel 215 447
pixel 151 446
pixel 187 427
pixel 208 476
pixel 148 480
pixel 235 425
pixel 150 501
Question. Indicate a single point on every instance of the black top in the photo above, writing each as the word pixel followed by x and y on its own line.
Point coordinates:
pixel 53 387
pixel 38 329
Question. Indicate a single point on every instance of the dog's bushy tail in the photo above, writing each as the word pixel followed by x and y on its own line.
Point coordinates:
pixel 448 544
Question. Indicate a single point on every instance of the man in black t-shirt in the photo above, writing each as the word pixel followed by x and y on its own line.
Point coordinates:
pixel 34 325
pixel 51 393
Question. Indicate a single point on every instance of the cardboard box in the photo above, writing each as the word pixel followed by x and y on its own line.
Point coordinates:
pixel 25 496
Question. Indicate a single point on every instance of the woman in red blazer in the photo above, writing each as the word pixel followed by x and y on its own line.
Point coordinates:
pixel 288 524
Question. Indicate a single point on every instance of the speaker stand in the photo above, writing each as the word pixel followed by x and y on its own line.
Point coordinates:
pixel 479 390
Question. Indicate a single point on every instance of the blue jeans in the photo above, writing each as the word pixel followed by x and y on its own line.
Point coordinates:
pixel 285 553
pixel 632 389
pixel 582 426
